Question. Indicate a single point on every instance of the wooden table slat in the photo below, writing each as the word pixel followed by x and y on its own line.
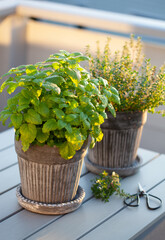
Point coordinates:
pixel 6 138
pixel 9 204
pixel 8 157
pixel 147 155
pixel 9 178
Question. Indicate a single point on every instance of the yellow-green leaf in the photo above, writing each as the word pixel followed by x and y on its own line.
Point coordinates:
pixel 43 109
pixel 67 151
pixel 41 137
pixel 32 117
pixel 50 125
pixel 28 134
pixel 16 120
pixel 52 86
pixel 111 109
pixel 74 75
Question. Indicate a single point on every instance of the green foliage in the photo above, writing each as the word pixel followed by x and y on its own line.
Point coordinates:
pixel 58 103
pixel 16 120
pixel 28 133
pixel 105 185
pixel 140 85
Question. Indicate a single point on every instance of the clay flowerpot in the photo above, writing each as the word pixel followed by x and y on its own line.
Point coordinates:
pixel 118 149
pixel 48 178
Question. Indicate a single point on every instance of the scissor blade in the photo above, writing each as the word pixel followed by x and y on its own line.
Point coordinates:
pixel 140 188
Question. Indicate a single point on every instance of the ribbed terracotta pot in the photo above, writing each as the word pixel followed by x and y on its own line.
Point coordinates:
pixel 45 176
pixel 118 149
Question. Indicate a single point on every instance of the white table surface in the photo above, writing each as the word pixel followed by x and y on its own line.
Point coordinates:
pixel 94 219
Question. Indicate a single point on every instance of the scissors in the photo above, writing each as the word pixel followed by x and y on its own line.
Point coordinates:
pixel 134 200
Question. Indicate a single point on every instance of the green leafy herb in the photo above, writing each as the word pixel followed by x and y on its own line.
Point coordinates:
pixel 140 85
pixel 58 103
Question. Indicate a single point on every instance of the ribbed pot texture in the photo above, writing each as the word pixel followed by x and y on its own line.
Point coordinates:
pixel 121 140
pixel 45 176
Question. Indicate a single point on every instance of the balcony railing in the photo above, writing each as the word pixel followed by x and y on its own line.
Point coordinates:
pixel 90 18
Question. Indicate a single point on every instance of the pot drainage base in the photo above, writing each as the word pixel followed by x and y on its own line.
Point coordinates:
pixel 51 209
pixel 123 172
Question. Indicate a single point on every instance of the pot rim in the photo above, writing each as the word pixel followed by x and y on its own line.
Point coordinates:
pixel 48 155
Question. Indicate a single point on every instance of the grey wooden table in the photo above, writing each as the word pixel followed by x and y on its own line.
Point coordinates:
pixel 94 220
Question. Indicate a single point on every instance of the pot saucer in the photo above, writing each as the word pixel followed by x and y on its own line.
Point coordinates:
pixel 49 208
pixel 123 172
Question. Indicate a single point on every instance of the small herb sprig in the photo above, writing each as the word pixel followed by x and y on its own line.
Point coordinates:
pixel 105 185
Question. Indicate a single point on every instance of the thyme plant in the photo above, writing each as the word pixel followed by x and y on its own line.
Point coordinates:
pixel 58 103
pixel 140 85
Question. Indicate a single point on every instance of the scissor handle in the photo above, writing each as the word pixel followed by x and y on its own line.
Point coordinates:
pixel 129 201
pixel 148 197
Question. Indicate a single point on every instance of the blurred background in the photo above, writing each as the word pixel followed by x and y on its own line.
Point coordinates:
pixel 32 30
pixel 144 8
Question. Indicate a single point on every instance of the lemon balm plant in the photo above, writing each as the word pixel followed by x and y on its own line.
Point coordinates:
pixel 58 104
pixel 141 88
pixel 57 108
